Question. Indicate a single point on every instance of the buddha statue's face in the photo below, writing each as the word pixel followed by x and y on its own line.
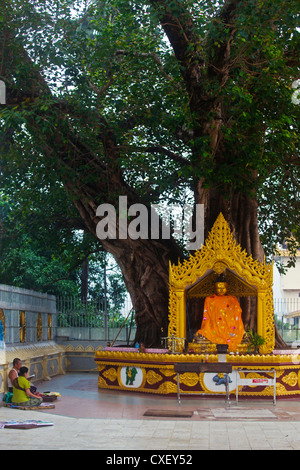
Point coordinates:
pixel 221 288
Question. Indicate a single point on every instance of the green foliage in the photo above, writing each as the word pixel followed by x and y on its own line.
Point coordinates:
pixel 42 241
pixel 109 62
pixel 91 315
pixel 255 338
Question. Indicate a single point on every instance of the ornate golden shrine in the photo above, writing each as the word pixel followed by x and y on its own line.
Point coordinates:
pixel 196 276
pixel 194 279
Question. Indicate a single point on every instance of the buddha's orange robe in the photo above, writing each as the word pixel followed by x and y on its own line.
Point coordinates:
pixel 222 322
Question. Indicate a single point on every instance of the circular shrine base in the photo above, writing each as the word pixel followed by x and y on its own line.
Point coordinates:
pixel 153 372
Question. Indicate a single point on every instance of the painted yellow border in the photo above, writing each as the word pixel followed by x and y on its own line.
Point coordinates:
pixel 161 359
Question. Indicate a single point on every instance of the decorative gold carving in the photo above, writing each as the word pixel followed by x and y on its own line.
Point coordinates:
pixel 291 379
pixel 153 378
pixel 268 391
pixel 168 372
pixel 281 390
pixel 90 348
pixel 102 383
pixel 189 378
pixel 111 374
pixel 39 327
pixel 247 276
pixel 22 323
pixel 219 267
pixel 167 387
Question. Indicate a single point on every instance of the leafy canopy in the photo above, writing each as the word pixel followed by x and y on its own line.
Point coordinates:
pixel 108 65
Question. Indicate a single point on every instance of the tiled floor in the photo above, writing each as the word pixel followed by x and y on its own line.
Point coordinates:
pixel 88 418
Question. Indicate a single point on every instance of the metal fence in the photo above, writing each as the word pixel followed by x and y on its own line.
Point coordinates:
pixel 287 312
pixel 104 320
pixel 95 319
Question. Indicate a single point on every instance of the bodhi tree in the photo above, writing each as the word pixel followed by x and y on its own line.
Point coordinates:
pixel 151 100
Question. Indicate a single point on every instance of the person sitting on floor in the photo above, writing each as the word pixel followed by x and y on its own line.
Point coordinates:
pixel 22 396
pixel 13 373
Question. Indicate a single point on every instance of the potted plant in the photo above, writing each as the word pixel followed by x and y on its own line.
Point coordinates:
pixel 255 339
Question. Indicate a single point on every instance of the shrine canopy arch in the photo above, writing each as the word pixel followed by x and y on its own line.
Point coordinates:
pixel 219 254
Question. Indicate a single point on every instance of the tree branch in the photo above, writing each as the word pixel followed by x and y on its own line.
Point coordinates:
pixel 185 42
pixel 159 149
pixel 156 59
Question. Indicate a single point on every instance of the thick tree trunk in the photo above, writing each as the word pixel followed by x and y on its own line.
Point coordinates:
pixel 144 264
pixel 239 210
pixel 145 269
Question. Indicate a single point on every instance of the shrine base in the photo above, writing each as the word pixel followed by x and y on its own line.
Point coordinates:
pixel 153 372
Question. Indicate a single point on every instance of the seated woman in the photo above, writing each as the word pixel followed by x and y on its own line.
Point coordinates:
pixel 22 396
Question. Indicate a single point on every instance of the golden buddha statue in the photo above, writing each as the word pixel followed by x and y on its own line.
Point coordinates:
pixel 222 322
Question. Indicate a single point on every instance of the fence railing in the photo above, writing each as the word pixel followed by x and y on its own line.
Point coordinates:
pixel 95 320
pixel 287 312
pixel 104 320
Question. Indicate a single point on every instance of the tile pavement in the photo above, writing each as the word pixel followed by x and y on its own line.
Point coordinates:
pixel 85 418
